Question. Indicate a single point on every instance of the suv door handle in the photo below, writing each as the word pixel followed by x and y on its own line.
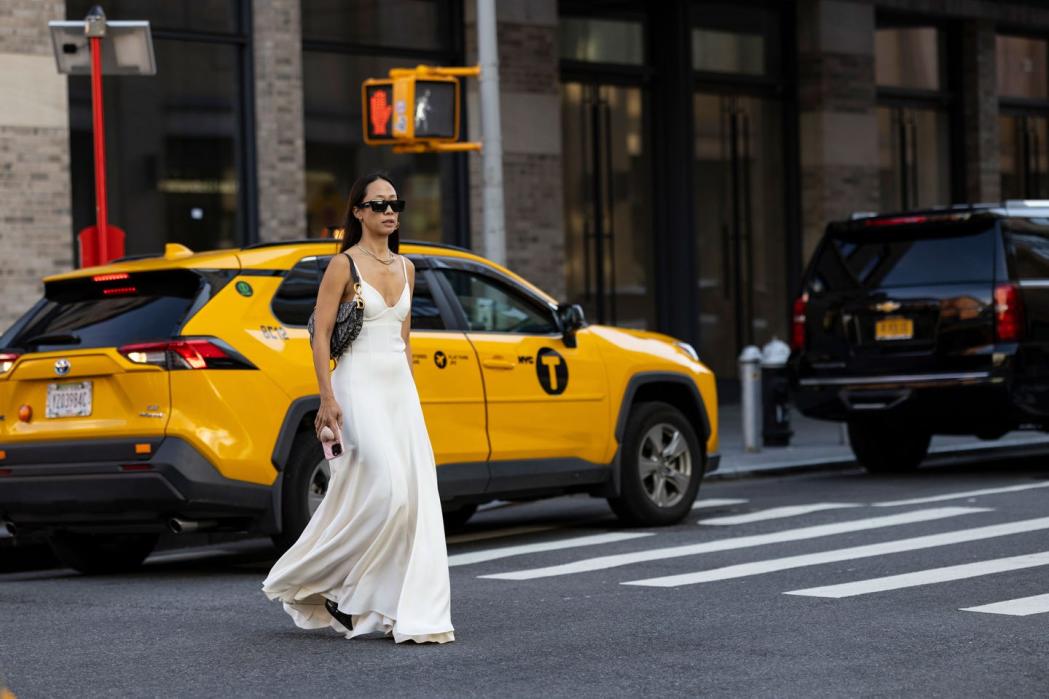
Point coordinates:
pixel 497 364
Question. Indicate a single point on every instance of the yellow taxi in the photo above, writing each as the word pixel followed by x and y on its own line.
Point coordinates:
pixel 176 393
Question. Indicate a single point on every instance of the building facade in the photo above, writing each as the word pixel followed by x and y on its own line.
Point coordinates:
pixel 669 165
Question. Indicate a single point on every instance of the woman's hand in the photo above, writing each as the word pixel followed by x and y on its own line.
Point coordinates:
pixel 330 414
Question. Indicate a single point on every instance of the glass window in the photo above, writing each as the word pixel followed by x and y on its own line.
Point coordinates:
pixel 1021 65
pixel 908 57
pixel 297 294
pixel 417 24
pixel 912 255
pixel 336 154
pixel 492 306
pixel 1029 249
pixel 425 313
pixel 602 40
pixel 199 15
pixel 914 158
pixel 728 52
pixel 173 143
pixel 79 313
pixel 1023 144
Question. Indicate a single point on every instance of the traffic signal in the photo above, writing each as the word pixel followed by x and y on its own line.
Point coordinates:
pixel 411 108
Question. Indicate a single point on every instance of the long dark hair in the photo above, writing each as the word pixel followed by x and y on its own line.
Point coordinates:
pixel 351 226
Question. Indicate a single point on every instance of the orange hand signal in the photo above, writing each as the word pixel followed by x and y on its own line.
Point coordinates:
pixel 380 111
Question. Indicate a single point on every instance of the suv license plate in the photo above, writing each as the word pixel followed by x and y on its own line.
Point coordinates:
pixel 894 329
pixel 68 399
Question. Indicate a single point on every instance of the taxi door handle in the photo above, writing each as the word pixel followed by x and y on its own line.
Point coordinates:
pixel 497 364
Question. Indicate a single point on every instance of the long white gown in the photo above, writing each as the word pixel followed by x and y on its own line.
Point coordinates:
pixel 376 543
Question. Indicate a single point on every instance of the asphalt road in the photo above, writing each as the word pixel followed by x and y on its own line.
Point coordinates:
pixel 826 584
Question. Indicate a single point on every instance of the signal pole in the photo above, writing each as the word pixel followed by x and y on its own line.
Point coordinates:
pixel 494 234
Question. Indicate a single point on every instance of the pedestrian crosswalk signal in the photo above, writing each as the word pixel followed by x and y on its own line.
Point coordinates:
pixel 415 109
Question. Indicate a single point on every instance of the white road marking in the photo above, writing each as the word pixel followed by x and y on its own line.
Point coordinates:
pixel 1022 606
pixel 717 502
pixel 499 533
pixel 462 559
pixel 739 542
pixel 847 554
pixel 927 577
pixel 777 513
pixel 963 494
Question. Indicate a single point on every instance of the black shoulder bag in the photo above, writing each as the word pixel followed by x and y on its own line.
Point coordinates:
pixel 348 318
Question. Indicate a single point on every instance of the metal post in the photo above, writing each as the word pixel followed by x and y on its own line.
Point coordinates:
pixel 95 28
pixel 494 234
pixel 750 389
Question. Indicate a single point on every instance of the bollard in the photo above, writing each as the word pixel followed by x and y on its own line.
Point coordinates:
pixel 750 391
pixel 775 394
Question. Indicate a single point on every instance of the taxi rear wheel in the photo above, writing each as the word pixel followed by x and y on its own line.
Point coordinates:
pixel 457 518
pixel 96 554
pixel 661 465
pixel 305 485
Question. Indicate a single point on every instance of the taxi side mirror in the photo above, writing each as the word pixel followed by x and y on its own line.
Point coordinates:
pixel 572 318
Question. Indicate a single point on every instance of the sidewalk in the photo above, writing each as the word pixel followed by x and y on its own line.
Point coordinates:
pixel 817 444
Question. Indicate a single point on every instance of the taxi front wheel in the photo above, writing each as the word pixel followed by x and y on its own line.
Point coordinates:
pixel 661 464
pixel 304 486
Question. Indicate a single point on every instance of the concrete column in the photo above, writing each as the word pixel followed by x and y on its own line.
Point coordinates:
pixel 35 191
pixel 531 120
pixel 279 140
pixel 980 109
pixel 838 122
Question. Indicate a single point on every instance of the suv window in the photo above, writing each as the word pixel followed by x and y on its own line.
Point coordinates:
pixel 83 312
pixel 896 256
pixel 494 306
pixel 1029 250
pixel 297 295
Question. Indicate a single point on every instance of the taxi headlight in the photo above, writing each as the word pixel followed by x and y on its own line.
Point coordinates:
pixel 688 349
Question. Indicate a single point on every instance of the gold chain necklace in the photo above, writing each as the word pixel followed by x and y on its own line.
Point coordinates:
pixel 372 254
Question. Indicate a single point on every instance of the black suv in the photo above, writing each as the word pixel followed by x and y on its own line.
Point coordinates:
pixel 923 323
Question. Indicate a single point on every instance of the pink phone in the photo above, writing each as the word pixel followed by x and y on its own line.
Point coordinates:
pixel 332 447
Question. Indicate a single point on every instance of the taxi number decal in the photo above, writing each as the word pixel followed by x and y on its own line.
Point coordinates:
pixel 552 370
pixel 273 332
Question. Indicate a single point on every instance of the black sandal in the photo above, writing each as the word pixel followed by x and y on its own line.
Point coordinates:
pixel 341 617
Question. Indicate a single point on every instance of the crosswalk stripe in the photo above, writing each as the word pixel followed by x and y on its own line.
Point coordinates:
pixel 963 494
pixel 1022 606
pixel 847 554
pixel 499 533
pixel 927 577
pixel 777 513
pixel 462 559
pixel 739 542
pixel 717 502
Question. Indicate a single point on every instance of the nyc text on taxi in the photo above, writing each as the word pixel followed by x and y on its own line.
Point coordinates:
pixel 176 393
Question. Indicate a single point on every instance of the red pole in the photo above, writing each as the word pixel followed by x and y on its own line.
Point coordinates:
pixel 102 223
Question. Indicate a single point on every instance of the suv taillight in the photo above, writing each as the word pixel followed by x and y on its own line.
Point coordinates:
pixel 1008 313
pixel 7 360
pixel 797 328
pixel 186 353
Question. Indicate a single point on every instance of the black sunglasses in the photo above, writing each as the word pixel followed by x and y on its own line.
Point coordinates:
pixel 379 205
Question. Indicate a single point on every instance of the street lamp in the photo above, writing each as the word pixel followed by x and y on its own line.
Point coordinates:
pixel 78 51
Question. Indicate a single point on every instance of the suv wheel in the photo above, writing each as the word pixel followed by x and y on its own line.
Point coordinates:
pixel 886 446
pixel 305 485
pixel 661 464
pixel 95 554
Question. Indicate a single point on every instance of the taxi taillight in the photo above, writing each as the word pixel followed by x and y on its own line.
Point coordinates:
pixel 188 353
pixel 7 360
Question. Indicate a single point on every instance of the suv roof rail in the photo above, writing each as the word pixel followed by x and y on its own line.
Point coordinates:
pixel 300 241
pixel 857 215
pixel 1027 204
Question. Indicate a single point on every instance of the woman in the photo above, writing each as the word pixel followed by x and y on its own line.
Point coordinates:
pixel 373 556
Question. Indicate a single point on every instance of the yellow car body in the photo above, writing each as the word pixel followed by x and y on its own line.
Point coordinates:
pixel 195 421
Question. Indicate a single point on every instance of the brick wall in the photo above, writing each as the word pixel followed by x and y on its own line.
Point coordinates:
pixel 35 190
pixel 279 137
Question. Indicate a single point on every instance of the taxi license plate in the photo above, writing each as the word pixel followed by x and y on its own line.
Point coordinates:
pixel 68 399
pixel 894 329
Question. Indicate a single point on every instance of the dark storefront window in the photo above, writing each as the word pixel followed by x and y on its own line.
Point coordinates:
pixel 602 40
pixel 914 123
pixel 1023 125
pixel 741 227
pixel 175 141
pixel 343 45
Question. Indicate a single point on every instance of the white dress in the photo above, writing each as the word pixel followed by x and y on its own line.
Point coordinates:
pixel 376 543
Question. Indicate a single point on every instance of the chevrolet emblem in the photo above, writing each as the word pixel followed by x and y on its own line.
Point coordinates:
pixel 887 306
